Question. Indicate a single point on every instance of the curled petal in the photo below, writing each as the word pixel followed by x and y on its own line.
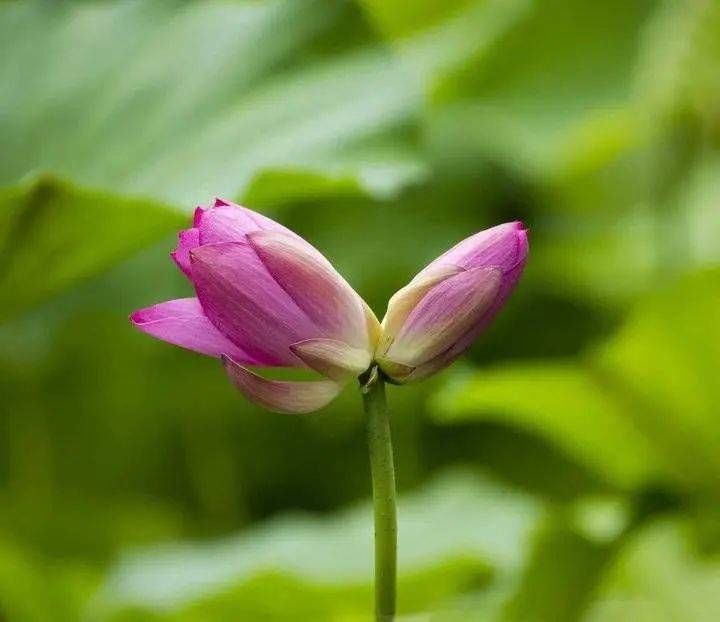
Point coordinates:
pixel 405 300
pixel 446 313
pixel 288 397
pixel 247 305
pixel 183 323
pixel 332 358
pixel 315 286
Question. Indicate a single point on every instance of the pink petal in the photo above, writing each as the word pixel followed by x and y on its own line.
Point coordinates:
pixel 187 241
pixel 504 246
pixel 281 396
pixel 374 329
pixel 406 299
pixel 463 343
pixel 334 359
pixel 198 214
pixel 502 249
pixel 444 359
pixel 247 305
pixel 315 286
pixel 226 224
pixel 446 313
pixel 229 222
pixel 183 323
pixel 222 222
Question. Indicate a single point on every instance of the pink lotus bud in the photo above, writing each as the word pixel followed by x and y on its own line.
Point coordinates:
pixel 265 297
pixel 435 318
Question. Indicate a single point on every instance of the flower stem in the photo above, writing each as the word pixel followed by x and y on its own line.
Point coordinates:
pixel 383 483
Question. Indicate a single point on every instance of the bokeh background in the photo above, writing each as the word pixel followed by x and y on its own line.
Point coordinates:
pixel 568 469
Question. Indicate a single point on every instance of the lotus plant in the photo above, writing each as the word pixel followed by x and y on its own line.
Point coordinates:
pixel 266 298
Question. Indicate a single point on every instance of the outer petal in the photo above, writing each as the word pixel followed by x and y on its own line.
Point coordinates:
pixel 224 221
pixel 446 313
pixel 229 222
pixel 332 358
pixel 183 323
pixel 198 214
pixel 281 396
pixel 405 300
pixel 374 328
pixel 311 281
pixel 188 240
pixel 247 305
pixel 225 224
pixel 262 222
pixel 503 246
pixel 444 359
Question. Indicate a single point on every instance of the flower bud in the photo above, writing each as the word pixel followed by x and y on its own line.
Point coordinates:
pixel 437 316
pixel 265 298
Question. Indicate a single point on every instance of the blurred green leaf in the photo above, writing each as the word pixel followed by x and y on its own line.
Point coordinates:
pixel 54 234
pixel 378 168
pixel 679 58
pixel 435 37
pixel 277 597
pixel 530 93
pixel 665 361
pixel 561 402
pixel 480 521
pixel 34 589
pixel 192 100
pixel 559 581
pixel 642 408
pixel 567 557
pixel 700 197
pixel 660 577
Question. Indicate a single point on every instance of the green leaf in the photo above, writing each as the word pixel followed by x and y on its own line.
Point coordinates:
pixel 567 557
pixel 482 523
pixel 378 168
pixel 564 404
pixel 34 590
pixel 641 408
pixel 660 577
pixel 679 60
pixel 665 361
pixel 54 234
pixel 278 597
pixel 527 96
pixel 194 100
pixel 435 37
pixel 558 583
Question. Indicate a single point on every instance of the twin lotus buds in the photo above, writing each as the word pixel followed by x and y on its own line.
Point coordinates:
pixel 267 298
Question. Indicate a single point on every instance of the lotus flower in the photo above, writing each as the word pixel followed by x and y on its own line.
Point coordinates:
pixel 437 316
pixel 265 298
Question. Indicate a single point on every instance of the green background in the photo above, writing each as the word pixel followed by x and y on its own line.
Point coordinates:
pixel 568 468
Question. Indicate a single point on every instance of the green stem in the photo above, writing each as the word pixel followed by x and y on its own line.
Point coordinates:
pixel 383 484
